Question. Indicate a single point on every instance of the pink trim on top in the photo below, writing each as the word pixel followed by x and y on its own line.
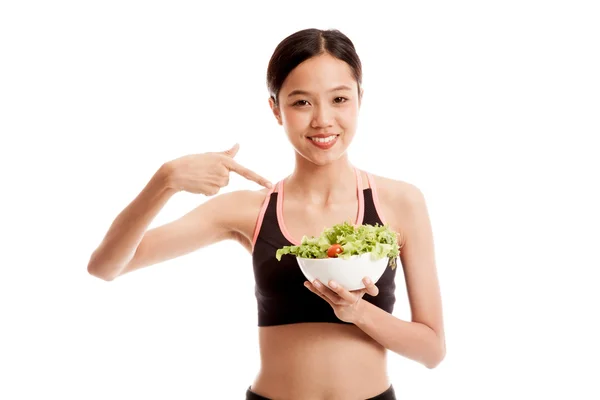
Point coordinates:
pixel 261 216
pixel 281 222
pixel 282 226
pixel 375 197
pixel 361 197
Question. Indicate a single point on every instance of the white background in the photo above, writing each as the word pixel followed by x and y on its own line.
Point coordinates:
pixel 491 108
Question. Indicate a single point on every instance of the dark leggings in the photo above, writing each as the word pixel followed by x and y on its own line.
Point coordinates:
pixel 389 394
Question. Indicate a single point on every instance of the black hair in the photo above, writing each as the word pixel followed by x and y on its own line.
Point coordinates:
pixel 304 44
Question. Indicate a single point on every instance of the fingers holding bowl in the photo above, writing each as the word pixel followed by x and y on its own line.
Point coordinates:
pixel 370 287
pixel 321 290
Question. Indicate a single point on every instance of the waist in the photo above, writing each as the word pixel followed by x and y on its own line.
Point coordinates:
pixel 317 360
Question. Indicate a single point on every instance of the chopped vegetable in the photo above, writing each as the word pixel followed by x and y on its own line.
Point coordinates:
pixel 334 250
pixel 379 240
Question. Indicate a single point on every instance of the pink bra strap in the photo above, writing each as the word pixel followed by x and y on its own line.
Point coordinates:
pixel 361 197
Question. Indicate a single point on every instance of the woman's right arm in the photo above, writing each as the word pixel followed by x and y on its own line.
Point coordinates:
pixel 128 245
pixel 120 243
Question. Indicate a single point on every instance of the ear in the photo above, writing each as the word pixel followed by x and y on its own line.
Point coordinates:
pixel 360 96
pixel 276 111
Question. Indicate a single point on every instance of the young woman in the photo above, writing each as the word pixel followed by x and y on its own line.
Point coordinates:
pixel 317 339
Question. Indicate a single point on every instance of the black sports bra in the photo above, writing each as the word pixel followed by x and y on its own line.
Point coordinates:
pixel 279 285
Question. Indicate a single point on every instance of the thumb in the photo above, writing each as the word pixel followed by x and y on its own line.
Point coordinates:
pixel 232 151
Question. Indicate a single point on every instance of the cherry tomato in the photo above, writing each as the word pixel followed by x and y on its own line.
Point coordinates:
pixel 334 250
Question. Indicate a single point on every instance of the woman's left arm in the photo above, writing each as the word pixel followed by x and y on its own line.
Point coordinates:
pixel 421 339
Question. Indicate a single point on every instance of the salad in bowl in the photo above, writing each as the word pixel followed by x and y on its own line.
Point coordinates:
pixel 346 254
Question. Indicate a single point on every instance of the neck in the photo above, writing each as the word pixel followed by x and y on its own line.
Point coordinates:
pixel 322 184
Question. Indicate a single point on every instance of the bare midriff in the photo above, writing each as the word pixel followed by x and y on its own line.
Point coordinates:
pixel 320 361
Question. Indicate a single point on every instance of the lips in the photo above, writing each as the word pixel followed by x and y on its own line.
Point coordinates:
pixel 323 141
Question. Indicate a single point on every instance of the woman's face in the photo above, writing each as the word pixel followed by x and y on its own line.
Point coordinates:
pixel 318 108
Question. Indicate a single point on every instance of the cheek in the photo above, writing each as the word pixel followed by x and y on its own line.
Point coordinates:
pixel 296 120
pixel 348 117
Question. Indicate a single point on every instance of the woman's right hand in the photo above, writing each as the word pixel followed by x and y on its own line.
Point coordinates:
pixel 207 173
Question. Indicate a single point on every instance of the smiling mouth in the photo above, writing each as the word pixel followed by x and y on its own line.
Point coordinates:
pixel 324 142
pixel 324 139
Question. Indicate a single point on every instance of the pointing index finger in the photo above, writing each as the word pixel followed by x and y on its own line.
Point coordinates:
pixel 248 174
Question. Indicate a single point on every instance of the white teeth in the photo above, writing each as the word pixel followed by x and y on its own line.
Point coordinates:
pixel 323 140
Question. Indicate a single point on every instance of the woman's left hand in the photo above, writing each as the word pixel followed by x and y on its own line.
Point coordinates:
pixel 346 304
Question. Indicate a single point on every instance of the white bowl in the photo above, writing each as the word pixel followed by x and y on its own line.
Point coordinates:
pixel 348 273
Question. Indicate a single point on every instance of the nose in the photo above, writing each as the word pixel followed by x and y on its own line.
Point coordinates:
pixel 322 116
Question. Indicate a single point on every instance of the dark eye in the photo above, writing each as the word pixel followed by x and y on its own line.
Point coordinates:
pixel 340 100
pixel 301 103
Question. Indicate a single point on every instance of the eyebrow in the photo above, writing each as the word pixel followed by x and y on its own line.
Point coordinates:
pixel 303 92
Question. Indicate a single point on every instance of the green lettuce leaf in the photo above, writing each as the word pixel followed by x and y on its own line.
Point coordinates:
pixel 379 240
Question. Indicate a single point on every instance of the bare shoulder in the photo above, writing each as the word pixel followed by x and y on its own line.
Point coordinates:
pixel 243 207
pixel 243 198
pixel 397 192
pixel 398 201
pixel 396 189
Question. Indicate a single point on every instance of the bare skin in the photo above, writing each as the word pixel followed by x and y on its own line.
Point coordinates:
pixel 307 360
